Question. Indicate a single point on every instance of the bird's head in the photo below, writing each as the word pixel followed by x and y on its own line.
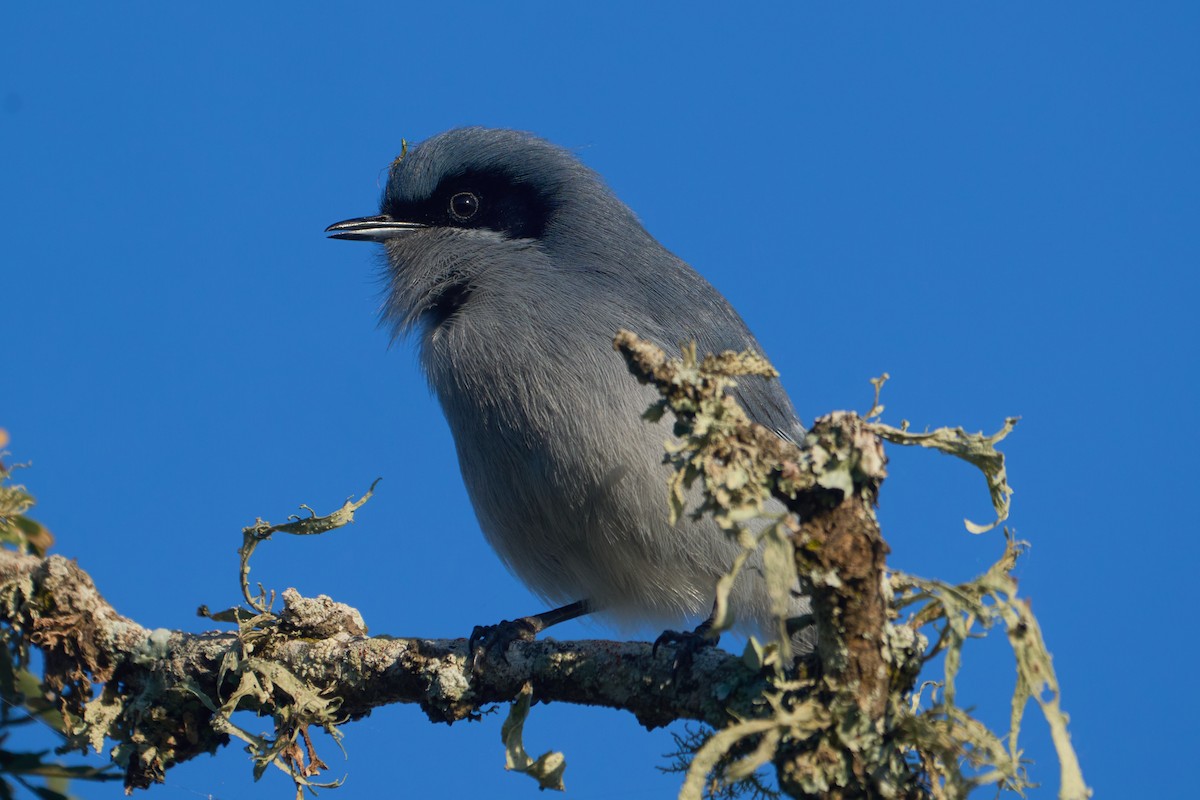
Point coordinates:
pixel 474 201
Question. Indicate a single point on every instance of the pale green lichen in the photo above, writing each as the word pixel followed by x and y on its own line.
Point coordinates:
pixel 262 683
pixel 924 746
pixel 547 769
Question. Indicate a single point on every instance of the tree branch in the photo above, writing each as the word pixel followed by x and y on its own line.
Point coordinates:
pixel 323 643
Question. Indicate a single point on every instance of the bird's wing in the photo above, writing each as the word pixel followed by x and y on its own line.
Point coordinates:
pixel 685 307
pixel 764 399
pixel 767 404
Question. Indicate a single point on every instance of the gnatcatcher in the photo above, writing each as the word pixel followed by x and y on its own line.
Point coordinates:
pixel 515 265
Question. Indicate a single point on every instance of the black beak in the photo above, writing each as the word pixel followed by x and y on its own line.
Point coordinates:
pixel 371 229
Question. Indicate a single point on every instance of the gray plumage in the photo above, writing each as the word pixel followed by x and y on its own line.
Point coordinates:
pixel 515 268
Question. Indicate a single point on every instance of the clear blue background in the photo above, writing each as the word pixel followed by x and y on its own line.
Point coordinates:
pixel 995 203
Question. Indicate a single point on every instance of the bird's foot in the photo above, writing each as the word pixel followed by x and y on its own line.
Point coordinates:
pixel 488 639
pixel 686 644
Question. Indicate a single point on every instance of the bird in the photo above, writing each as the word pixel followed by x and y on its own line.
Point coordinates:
pixel 513 265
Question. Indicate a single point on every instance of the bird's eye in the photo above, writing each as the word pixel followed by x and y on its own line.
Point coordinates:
pixel 464 205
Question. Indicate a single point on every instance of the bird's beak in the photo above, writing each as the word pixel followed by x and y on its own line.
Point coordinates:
pixel 371 229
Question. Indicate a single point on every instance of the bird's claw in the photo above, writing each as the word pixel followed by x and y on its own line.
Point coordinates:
pixel 685 644
pixel 488 639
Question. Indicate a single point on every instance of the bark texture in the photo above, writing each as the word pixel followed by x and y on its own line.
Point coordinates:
pixel 92 651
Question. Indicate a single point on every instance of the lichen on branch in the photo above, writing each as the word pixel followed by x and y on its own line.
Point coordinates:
pixel 861 728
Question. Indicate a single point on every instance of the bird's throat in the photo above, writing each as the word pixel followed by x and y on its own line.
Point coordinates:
pixel 446 304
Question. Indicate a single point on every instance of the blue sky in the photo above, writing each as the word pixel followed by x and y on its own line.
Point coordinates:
pixel 996 204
